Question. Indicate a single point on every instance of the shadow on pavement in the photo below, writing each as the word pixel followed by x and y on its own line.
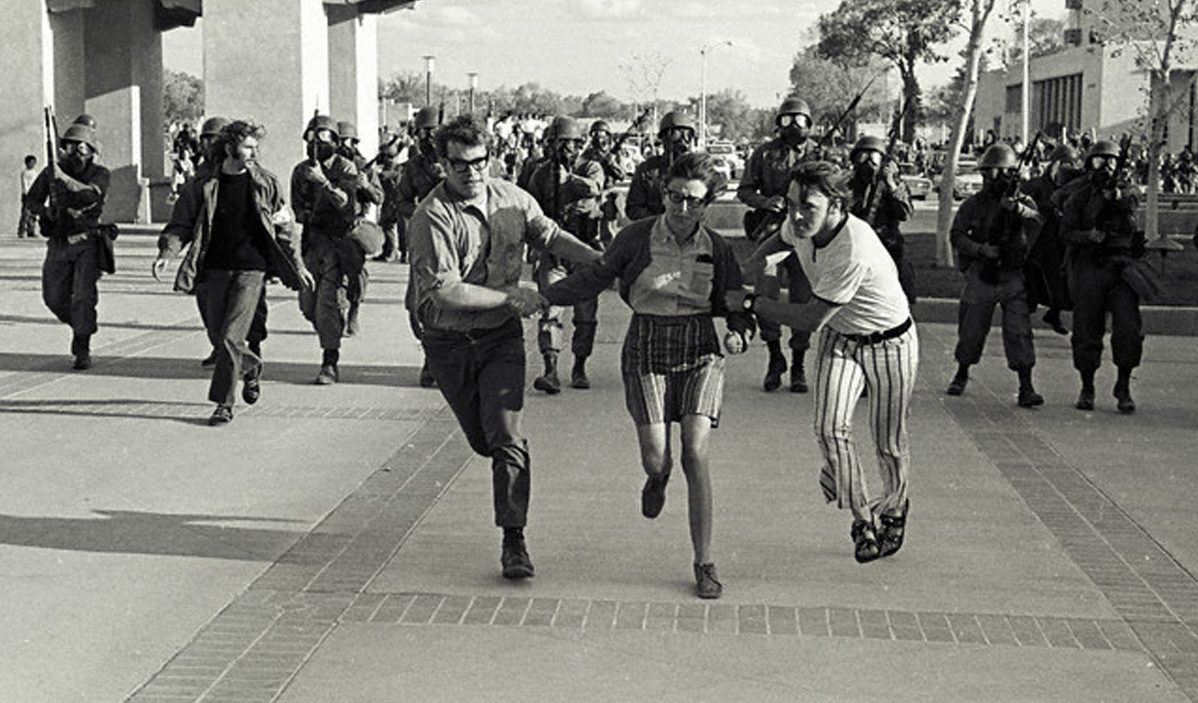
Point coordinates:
pixel 108 408
pixel 132 532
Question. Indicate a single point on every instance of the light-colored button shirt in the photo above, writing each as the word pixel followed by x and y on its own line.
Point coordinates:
pixel 679 276
pixel 28 176
pixel 479 241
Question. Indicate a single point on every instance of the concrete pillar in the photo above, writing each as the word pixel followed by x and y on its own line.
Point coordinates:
pixel 123 91
pixel 268 61
pixel 354 73
pixel 27 59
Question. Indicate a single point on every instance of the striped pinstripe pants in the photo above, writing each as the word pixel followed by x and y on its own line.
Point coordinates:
pixel 844 367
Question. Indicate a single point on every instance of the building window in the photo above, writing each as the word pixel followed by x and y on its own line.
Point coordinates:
pixel 1057 104
pixel 1015 98
pixel 1073 4
pixel 1073 37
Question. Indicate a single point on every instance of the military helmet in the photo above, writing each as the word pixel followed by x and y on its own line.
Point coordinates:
pixel 794 106
pixel 869 143
pixel 80 133
pixel 85 119
pixel 564 127
pixel 347 130
pixel 427 117
pixel 1064 152
pixel 319 122
pixel 1103 148
pixel 999 155
pixel 600 126
pixel 212 126
pixel 675 119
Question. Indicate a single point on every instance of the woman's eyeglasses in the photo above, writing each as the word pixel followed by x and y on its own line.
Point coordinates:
pixel 690 200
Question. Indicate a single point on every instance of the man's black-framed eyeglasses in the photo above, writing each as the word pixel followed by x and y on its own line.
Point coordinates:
pixel 465 166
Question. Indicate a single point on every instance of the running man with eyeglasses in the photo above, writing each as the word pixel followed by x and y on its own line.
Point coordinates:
pixel 468 239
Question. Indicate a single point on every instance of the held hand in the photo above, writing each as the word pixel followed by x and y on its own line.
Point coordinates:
pixel 735 342
pixel 158 267
pixel 890 175
pixel 1010 204
pixel 525 301
pixel 776 203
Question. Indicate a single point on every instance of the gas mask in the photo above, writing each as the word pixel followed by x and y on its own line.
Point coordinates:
pixel 866 163
pixel 998 180
pixel 794 128
pixel 76 156
pixel 678 140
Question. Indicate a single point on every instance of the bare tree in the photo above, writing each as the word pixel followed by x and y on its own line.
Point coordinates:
pixel 1159 32
pixel 643 73
pixel 979 14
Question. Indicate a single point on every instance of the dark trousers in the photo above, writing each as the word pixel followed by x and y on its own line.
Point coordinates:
pixel 481 376
pixel 977 308
pixel 550 270
pixel 798 290
pixel 27 225
pixel 231 297
pixel 1098 288
pixel 257 333
pixel 69 277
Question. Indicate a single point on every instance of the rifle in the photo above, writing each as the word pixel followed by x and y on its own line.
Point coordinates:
pixel 1117 240
pixel 1011 252
pixel 871 199
pixel 827 138
pixel 634 127
pixel 52 155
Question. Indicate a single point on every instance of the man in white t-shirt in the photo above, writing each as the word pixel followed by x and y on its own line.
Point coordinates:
pixel 868 343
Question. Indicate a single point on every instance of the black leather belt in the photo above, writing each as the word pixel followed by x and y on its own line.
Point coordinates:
pixel 875 337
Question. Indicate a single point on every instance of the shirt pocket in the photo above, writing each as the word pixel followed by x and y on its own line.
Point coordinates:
pixel 702 277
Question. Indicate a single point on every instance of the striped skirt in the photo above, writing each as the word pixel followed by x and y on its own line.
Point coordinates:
pixel 672 367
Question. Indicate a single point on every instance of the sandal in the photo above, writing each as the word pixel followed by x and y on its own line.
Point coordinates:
pixel 890 537
pixel 865 541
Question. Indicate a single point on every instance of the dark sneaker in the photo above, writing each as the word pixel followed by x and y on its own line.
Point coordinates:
pixel 1029 398
pixel 427 380
pixel 957 385
pixel 1085 399
pixel 707 584
pixel 773 373
pixel 653 495
pixel 891 531
pixel 251 390
pixel 798 380
pixel 1124 402
pixel 515 561
pixel 223 415
pixel 209 361
pixel 327 375
pixel 83 362
pixel 548 383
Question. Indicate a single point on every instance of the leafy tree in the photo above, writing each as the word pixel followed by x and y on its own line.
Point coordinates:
pixel 603 105
pixel 829 86
pixel 730 116
pixel 405 87
pixel 904 33
pixel 182 97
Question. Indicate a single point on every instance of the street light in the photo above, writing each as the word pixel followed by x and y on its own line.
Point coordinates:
pixel 429 60
pixel 473 86
pixel 703 91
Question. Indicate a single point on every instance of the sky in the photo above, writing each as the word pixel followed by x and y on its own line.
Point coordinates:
pixel 577 47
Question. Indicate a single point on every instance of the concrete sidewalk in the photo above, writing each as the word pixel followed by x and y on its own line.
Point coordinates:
pixel 335 544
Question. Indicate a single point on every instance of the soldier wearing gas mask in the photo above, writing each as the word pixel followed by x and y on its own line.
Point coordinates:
pixel 1047 284
pixel 604 151
pixel 567 187
pixel 763 188
pixel 1098 225
pixel 881 199
pixel 677 134
pixel 991 234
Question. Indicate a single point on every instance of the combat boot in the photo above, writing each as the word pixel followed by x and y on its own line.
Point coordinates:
pixel 578 377
pixel 775 369
pixel 1123 393
pixel 548 381
pixel 81 349
pixel 798 377
pixel 328 368
pixel 1028 397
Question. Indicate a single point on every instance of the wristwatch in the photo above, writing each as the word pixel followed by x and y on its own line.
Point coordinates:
pixel 749 302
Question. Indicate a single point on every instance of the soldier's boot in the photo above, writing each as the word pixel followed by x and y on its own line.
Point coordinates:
pixel 1052 318
pixel 1028 397
pixel 1085 399
pixel 578 376
pixel 957 385
pixel 328 368
pixel 81 349
pixel 1123 392
pixel 548 381
pixel 798 376
pixel 427 379
pixel 775 368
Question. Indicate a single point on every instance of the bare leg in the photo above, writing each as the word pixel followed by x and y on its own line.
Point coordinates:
pixel 695 431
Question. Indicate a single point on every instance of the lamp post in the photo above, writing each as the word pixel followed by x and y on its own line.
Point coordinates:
pixel 1025 97
pixel 429 61
pixel 703 90
pixel 473 87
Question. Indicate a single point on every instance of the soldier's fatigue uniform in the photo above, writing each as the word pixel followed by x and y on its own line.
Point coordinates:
pixel 988 283
pixel 72 264
pixel 393 223
pixel 1096 277
pixel 327 212
pixel 609 211
pixel 579 215
pixel 1045 271
pixel 767 174
pixel 370 194
pixel 893 206
pixel 644 197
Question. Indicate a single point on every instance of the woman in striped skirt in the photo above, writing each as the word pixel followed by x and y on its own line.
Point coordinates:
pixel 673 272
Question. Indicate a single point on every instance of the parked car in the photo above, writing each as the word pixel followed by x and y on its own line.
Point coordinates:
pixel 968 180
pixel 917 183
pixel 725 153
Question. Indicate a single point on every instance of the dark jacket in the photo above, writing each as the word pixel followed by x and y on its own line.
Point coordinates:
pixel 1086 208
pixel 976 223
pixel 191 223
pixel 628 255
pixel 330 208
pixel 78 201
pixel 644 191
pixel 891 208
pixel 420 175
